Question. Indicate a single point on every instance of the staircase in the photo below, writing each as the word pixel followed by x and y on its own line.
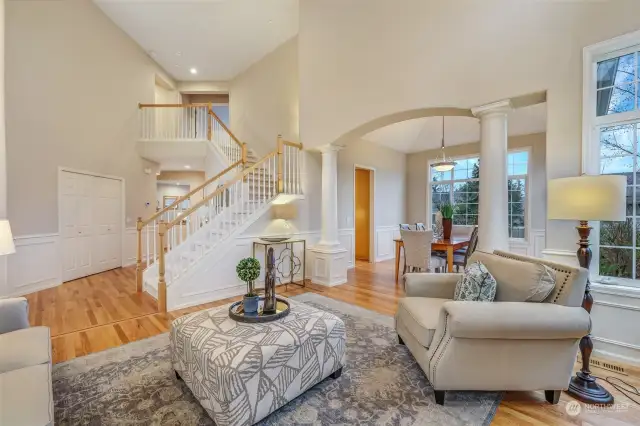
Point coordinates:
pixel 180 246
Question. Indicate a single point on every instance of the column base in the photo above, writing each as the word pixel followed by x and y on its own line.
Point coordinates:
pixel 329 265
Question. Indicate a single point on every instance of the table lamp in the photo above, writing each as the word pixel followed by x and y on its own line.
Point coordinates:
pixel 586 198
pixel 282 215
pixel 6 238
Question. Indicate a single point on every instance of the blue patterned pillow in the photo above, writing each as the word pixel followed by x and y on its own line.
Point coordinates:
pixel 477 284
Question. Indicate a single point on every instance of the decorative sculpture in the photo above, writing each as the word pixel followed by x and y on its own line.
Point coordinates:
pixel 438 229
pixel 270 284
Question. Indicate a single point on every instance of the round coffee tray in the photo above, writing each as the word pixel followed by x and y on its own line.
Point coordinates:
pixel 237 313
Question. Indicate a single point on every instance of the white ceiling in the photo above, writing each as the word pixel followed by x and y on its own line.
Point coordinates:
pixel 426 133
pixel 220 38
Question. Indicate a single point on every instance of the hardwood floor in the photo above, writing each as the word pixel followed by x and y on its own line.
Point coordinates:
pixel 104 311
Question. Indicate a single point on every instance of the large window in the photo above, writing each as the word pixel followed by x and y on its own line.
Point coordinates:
pixel 461 186
pixel 612 148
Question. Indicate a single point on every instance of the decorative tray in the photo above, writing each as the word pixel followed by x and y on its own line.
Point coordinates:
pixel 237 313
pixel 274 239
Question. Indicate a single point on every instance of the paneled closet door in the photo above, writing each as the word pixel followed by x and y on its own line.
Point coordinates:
pixel 76 224
pixel 107 213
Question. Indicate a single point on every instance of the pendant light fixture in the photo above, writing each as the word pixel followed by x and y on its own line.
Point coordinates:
pixel 443 164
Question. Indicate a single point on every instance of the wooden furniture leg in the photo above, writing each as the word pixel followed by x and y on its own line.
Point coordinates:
pixel 397 260
pixel 449 259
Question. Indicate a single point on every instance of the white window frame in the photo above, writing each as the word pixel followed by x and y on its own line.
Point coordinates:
pixel 591 125
pixel 527 178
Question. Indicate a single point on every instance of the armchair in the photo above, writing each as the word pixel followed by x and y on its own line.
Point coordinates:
pixel 495 346
pixel 25 368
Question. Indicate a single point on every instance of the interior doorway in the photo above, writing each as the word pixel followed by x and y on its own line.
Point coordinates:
pixel 363 213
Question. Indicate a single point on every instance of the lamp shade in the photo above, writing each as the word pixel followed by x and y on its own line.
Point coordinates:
pixel 601 197
pixel 6 238
pixel 284 211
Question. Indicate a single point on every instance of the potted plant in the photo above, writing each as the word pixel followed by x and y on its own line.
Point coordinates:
pixel 447 210
pixel 248 270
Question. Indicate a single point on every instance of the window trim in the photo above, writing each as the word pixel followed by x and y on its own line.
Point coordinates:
pixel 527 195
pixel 591 125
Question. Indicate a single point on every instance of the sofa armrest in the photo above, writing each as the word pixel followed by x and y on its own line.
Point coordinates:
pixel 28 347
pixel 514 320
pixel 440 286
pixel 14 314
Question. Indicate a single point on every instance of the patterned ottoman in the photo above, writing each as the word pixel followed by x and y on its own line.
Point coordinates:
pixel 242 372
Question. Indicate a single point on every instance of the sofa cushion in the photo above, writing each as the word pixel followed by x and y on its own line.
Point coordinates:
pixel 420 316
pixel 476 285
pixel 27 347
pixel 517 281
pixel 26 397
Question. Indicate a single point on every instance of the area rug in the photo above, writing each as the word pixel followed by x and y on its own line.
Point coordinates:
pixel 381 384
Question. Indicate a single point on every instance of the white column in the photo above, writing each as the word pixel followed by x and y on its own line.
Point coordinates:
pixel 329 257
pixel 493 232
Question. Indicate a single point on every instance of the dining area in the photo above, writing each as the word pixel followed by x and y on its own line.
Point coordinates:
pixel 425 250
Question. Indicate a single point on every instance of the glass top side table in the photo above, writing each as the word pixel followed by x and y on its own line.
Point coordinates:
pixel 287 263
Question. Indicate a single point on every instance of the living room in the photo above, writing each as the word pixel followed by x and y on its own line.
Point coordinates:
pixel 513 123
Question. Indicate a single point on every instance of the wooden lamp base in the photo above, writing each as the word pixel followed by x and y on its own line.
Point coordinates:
pixel 583 385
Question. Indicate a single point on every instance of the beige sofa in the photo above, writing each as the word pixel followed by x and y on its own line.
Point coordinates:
pixel 495 346
pixel 26 397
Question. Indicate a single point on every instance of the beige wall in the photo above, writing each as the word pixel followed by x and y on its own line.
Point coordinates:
pixel 190 180
pixel 418 167
pixel 263 100
pixel 456 53
pixel 390 175
pixel 203 98
pixel 73 82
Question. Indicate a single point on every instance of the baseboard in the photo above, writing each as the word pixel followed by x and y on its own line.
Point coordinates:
pixel 616 351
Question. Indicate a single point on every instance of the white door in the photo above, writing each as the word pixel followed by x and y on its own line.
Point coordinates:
pixel 90 224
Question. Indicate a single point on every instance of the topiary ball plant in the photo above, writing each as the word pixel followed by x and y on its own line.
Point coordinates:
pixel 248 270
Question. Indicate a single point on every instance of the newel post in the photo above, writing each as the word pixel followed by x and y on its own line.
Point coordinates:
pixel 139 227
pixel 209 120
pixel 280 165
pixel 162 284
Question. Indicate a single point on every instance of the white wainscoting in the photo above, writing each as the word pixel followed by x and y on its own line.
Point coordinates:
pixel 532 246
pixel 35 265
pixel 385 247
pixel 615 315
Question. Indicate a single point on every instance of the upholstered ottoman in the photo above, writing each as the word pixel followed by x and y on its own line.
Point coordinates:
pixel 242 372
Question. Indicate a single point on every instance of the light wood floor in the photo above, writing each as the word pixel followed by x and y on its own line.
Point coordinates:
pixel 104 311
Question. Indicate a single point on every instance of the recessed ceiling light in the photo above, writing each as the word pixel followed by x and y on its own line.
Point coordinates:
pixel 270 21
pixel 193 71
pixel 178 183
pixel 186 166
pixel 157 173
pixel 178 53
pixel 177 66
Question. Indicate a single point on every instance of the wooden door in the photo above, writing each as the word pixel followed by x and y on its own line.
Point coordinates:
pixel 106 241
pixel 363 214
pixel 76 229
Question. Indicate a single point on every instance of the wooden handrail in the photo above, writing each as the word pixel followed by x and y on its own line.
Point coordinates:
pixel 293 144
pixel 171 105
pixel 218 191
pixel 224 126
pixel 189 194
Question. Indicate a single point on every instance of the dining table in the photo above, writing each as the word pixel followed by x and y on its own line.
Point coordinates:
pixel 449 246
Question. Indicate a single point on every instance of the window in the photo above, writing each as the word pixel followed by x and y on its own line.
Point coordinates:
pixel 461 186
pixel 618 251
pixel 611 147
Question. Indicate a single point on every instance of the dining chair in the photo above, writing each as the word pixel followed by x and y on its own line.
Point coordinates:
pixel 417 252
pixel 420 226
pixel 405 226
pixel 460 259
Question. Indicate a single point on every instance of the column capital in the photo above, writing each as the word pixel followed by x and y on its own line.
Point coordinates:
pixel 330 148
pixel 500 107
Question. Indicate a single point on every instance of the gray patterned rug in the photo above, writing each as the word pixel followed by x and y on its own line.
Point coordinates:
pixel 381 384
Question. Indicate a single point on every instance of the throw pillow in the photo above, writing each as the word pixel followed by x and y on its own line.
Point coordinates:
pixel 477 284
pixel 518 280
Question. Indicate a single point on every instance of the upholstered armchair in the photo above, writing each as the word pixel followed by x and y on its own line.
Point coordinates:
pixel 25 368
pixel 500 345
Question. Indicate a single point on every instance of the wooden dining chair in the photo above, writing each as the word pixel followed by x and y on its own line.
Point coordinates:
pixel 420 226
pixel 460 259
pixel 417 252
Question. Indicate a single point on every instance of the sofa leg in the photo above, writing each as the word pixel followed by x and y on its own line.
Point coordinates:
pixel 400 341
pixel 439 397
pixel 552 396
pixel 177 375
pixel 336 374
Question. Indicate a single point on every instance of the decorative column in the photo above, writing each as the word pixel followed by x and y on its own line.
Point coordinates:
pixel 329 258
pixel 493 226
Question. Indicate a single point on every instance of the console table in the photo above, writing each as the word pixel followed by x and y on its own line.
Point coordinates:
pixel 286 257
